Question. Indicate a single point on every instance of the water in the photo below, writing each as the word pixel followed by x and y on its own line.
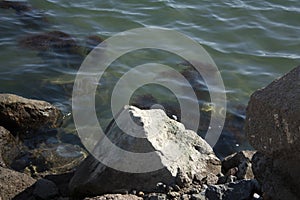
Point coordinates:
pixel 251 42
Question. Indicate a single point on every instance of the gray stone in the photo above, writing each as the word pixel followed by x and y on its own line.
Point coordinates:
pixel 21 114
pixel 272 117
pixel 243 189
pixel 45 189
pixel 12 183
pixel 163 136
pixel 9 148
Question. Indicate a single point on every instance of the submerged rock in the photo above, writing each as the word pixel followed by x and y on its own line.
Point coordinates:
pixel 28 15
pixel 18 6
pixel 273 128
pixel 50 41
pixel 181 153
pixel 21 114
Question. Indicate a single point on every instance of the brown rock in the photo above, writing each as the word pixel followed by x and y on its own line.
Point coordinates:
pixel 273 128
pixel 12 183
pixel 9 148
pixel 21 114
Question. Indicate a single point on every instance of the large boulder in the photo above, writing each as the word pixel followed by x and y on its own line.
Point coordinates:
pixel 273 119
pixel 12 183
pixel 21 114
pixel 273 128
pixel 164 137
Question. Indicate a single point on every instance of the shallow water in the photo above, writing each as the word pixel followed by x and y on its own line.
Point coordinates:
pixel 251 42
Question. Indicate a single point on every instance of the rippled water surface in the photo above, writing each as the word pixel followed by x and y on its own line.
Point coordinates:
pixel 252 43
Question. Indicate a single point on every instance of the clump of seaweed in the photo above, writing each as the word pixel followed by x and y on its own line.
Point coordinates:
pixel 28 15
pixel 91 42
pixel 50 41
pixel 18 6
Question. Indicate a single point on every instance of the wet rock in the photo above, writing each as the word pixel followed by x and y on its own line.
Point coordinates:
pixel 239 165
pixel 12 183
pixel 45 190
pixel 21 114
pixel 9 148
pixel 272 119
pixel 273 128
pixel 115 197
pixel 176 150
pixel 243 189
pixel 51 159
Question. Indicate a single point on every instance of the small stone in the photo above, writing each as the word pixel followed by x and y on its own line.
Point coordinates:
pixel 198 197
pixel 141 194
pixel 185 197
pixel 173 194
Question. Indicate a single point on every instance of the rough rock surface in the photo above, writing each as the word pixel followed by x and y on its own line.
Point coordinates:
pixel 273 128
pixel 116 197
pixel 242 162
pixel 162 136
pixel 21 114
pixel 243 189
pixel 277 184
pixel 12 183
pixel 273 119
pixel 9 148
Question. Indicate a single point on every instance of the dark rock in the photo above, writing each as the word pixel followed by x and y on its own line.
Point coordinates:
pixel 277 184
pixel 9 148
pixel 21 114
pixel 12 183
pixel 62 182
pixel 243 189
pixel 239 165
pixel 45 190
pixel 115 197
pixel 273 128
pixel 272 118
pixel 94 178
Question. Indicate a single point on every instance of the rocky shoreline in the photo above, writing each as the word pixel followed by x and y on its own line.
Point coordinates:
pixel 56 172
